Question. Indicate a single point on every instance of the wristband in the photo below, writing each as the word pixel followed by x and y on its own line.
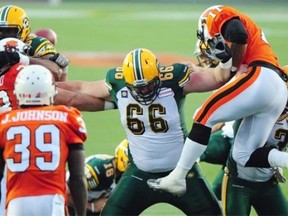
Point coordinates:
pixel 226 65
pixel 24 59
pixel 108 105
pixel 233 70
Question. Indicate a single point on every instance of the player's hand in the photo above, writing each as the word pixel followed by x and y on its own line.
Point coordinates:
pixel 61 60
pixel 279 175
pixel 8 58
pixel 169 183
pixel 218 49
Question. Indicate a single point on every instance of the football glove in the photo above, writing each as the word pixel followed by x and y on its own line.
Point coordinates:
pixel 176 187
pixel 279 175
pixel 218 49
pixel 60 59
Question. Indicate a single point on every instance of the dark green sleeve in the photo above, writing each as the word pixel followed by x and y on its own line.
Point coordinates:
pixel 40 47
pixel 115 81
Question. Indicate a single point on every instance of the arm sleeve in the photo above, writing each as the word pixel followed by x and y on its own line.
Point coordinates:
pixel 234 31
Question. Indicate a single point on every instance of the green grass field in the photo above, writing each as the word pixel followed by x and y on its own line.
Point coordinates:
pixel 119 28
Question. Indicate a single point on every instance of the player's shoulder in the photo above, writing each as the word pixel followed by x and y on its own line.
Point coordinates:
pixel 67 109
pixel 71 115
pixel 40 46
pixel 174 75
pixel 99 159
pixel 14 70
pixel 115 79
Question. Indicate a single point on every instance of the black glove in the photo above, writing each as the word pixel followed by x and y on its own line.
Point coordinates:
pixel 218 49
pixel 8 58
pixel 60 59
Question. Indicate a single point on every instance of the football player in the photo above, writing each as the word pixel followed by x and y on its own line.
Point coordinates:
pixel 37 140
pixel 14 22
pixel 247 187
pixel 150 98
pixel 223 27
pixel 102 173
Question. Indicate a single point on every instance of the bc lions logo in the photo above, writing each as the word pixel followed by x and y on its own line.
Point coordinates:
pixel 11 46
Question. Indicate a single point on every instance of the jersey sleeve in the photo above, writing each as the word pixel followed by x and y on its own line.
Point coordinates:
pixel 114 81
pixel 40 47
pixel 175 76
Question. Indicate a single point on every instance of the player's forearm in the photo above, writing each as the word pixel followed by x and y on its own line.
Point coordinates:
pixel 83 102
pixel 79 193
pixel 52 66
pixel 238 51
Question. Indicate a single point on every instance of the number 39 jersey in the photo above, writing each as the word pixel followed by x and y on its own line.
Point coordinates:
pixel 36 144
pixel 155 132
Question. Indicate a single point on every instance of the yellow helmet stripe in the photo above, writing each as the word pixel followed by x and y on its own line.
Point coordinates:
pixel 4 13
pixel 137 67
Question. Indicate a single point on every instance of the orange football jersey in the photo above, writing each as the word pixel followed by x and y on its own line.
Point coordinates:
pixel 258 49
pixel 8 100
pixel 36 147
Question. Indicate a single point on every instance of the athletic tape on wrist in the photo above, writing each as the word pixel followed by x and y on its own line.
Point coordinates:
pixel 108 105
pixel 226 65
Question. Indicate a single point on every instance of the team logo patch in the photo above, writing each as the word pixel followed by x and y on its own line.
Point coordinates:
pixel 124 94
pixel 166 92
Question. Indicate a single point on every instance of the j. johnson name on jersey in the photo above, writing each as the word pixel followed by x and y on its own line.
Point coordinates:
pixel 49 115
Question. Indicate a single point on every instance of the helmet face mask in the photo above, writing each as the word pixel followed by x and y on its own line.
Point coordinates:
pixel 146 93
pixel 201 49
pixel 14 22
pixel 141 74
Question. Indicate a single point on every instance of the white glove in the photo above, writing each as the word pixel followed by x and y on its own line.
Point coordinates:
pixel 173 183
pixel 279 175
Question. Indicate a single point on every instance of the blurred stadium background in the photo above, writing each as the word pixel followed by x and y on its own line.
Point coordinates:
pixel 110 29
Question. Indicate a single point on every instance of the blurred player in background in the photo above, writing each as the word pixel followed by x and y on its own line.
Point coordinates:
pixel 37 140
pixel 247 187
pixel 8 74
pixel 102 173
pixel 14 22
